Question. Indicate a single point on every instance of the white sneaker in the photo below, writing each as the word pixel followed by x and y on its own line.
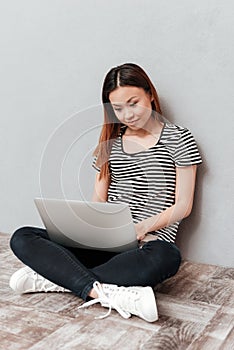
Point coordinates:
pixel 138 301
pixel 25 280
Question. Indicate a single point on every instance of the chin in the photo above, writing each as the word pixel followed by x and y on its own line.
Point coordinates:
pixel 134 127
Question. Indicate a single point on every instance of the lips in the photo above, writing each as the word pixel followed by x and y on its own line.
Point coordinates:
pixel 132 122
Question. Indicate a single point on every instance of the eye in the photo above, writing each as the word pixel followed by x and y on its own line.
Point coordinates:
pixel 133 104
pixel 117 109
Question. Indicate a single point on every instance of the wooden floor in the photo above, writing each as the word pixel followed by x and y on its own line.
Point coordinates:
pixel 196 309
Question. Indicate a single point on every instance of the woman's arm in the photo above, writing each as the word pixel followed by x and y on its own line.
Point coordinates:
pixel 185 184
pixel 100 189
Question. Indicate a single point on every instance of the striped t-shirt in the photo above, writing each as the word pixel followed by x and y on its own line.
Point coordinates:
pixel 146 180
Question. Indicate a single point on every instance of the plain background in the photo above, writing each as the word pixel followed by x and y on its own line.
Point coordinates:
pixel 54 56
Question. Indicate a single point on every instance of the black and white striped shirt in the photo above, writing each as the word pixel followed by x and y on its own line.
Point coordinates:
pixel 146 180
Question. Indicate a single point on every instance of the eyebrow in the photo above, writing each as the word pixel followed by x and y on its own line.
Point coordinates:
pixel 114 104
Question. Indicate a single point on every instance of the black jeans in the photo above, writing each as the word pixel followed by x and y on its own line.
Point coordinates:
pixel 77 269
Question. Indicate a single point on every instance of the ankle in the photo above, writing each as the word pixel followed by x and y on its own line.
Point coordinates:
pixel 93 294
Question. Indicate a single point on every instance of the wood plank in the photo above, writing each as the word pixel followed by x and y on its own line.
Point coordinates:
pixel 86 334
pixel 224 273
pixel 11 341
pixel 186 310
pixel 21 320
pixel 175 334
pixel 134 338
pixel 206 343
pixel 228 343
pixel 214 291
pixel 216 332
pixel 191 276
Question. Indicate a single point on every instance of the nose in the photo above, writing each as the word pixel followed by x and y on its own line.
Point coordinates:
pixel 129 115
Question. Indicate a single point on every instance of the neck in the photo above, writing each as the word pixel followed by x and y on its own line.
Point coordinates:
pixel 152 127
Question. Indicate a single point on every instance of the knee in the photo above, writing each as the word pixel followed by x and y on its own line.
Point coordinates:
pixel 175 260
pixel 171 259
pixel 166 260
pixel 18 239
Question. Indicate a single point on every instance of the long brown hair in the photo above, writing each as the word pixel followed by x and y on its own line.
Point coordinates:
pixel 127 74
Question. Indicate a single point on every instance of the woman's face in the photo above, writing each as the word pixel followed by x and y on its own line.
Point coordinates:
pixel 132 106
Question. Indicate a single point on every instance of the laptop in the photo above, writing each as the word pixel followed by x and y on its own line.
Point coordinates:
pixel 89 225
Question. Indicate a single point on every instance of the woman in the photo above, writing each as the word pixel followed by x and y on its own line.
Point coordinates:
pixel 140 160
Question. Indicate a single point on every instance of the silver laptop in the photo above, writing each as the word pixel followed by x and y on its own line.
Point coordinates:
pixel 89 225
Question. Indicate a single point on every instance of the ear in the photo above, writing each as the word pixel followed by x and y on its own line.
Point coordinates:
pixel 151 96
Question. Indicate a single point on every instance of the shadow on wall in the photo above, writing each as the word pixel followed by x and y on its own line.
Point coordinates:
pixel 191 224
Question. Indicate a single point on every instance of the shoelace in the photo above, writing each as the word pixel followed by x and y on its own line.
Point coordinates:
pixel 46 286
pixel 105 301
pixel 129 300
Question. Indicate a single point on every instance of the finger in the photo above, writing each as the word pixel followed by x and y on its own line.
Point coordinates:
pixel 140 237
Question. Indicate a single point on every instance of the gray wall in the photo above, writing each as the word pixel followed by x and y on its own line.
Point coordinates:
pixel 54 55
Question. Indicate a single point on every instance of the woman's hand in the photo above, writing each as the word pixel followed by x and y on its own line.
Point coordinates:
pixel 140 230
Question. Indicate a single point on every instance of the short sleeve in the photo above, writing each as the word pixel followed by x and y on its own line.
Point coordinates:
pixel 94 165
pixel 186 151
